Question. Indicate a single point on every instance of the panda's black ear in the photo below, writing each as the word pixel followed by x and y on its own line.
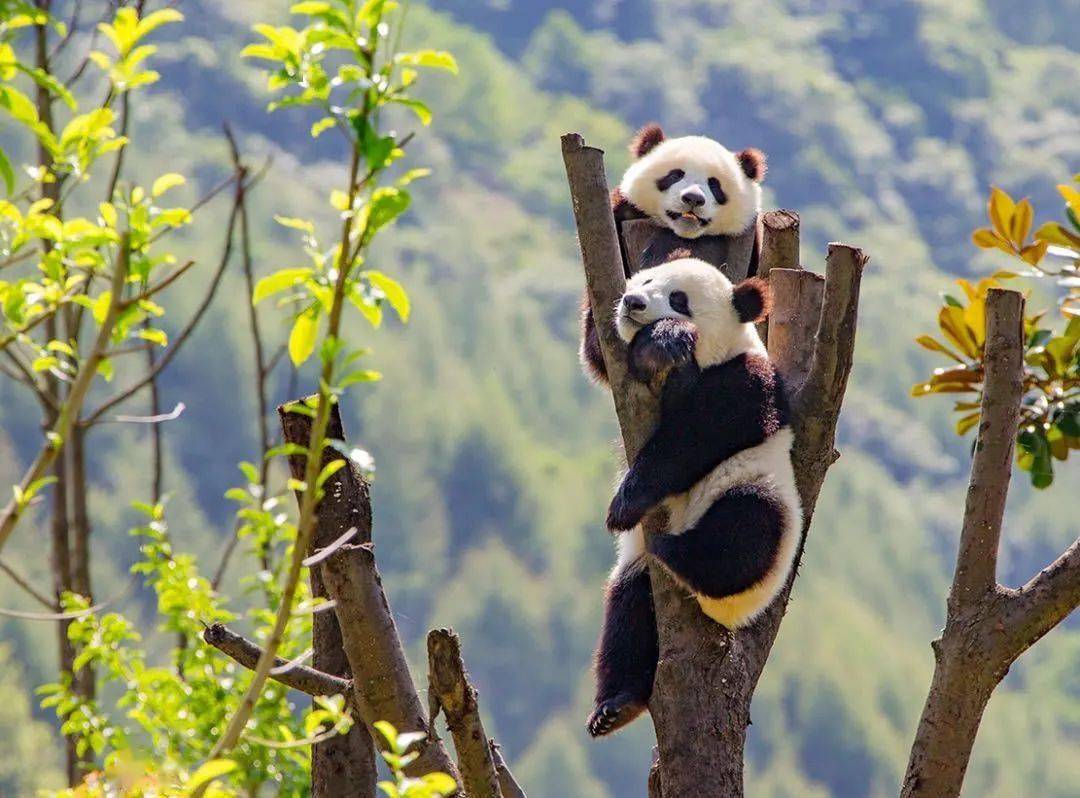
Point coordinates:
pixel 646 138
pixel 752 300
pixel 753 163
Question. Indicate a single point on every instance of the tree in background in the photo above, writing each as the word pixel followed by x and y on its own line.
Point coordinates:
pixel 191 723
pixel 1025 379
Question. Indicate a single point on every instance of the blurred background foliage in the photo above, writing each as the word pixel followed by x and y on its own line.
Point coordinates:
pixel 885 124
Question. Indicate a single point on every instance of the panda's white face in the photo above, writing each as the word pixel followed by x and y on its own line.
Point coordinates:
pixel 695 186
pixel 689 289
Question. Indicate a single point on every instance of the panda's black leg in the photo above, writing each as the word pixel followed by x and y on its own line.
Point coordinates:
pixel 627 652
pixel 730 549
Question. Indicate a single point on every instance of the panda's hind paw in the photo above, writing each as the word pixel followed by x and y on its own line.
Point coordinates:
pixel 612 715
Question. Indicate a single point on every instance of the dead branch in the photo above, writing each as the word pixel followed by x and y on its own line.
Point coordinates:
pixel 370 638
pixel 343 765
pixel 451 692
pixel 299 677
pixel 28 587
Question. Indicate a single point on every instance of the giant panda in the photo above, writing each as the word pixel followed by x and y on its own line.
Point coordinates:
pixel 693 186
pixel 719 462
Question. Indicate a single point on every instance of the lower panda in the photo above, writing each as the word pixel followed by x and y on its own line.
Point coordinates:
pixel 689 186
pixel 719 462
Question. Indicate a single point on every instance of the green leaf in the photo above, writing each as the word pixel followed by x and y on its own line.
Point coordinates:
pixel 305 333
pixel 434 59
pixel 7 172
pixel 166 182
pixel 310 8
pixel 421 110
pixel 279 281
pixel 393 291
pixel 296 224
pixel 50 84
pixel 320 127
pixel 214 769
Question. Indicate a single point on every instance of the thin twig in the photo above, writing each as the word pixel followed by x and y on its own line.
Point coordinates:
pixel 30 590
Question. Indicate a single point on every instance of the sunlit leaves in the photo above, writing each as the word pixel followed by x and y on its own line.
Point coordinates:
pixel 126 71
pixel 279 281
pixel 434 59
pixel 304 335
pixel 1050 409
pixel 398 756
pixel 392 290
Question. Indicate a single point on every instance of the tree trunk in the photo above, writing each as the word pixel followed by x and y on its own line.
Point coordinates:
pixel 343 766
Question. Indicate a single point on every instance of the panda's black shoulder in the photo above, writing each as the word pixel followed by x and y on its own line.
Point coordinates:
pixel 623 208
pixel 751 381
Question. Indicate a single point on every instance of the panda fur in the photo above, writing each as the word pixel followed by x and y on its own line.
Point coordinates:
pixel 693 186
pixel 719 463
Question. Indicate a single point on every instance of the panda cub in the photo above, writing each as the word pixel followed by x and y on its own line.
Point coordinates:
pixel 719 463
pixel 693 186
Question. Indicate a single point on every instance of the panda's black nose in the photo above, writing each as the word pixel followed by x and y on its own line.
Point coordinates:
pixel 693 197
pixel 633 302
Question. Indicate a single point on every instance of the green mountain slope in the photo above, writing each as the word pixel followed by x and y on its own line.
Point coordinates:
pixel 884 124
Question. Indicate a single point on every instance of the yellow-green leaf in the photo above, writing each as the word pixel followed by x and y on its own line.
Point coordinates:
pixel 926 342
pixel 214 769
pixel 393 291
pixel 166 182
pixel 279 281
pixel 302 338
pixel 435 59
pixel 1000 210
pixel 1021 222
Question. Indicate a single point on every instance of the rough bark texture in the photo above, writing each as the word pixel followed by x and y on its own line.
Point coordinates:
pixel 381 677
pixel 987 626
pixel 706 675
pixel 648 245
pixel 343 766
pixel 451 692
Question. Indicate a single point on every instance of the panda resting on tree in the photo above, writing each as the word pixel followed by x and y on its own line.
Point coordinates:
pixel 692 186
pixel 719 463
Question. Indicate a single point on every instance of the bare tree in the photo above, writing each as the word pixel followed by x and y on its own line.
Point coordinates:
pixel 987 625
pixel 707 675
pixel 360 642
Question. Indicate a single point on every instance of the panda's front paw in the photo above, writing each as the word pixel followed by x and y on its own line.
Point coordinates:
pixel 627 509
pixel 660 347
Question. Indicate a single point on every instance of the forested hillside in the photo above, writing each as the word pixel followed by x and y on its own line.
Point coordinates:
pixel 884 123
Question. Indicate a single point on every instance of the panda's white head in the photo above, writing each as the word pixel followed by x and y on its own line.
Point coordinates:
pixel 693 185
pixel 691 289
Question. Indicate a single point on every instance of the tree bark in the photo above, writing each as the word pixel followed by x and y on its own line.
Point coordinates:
pixel 342 766
pixel 450 691
pixel 706 675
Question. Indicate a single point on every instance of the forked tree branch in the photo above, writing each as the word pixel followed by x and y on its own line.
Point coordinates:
pixel 450 691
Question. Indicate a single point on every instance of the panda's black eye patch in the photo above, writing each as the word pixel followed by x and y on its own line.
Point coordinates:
pixel 680 303
pixel 717 190
pixel 670 179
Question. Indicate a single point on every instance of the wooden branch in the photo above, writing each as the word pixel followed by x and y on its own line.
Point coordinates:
pixel 507 782
pixel 779 242
pixel 343 765
pixel 451 692
pixel 1047 599
pixel 817 401
pixel 28 588
pixel 635 406
pixel 796 310
pixel 380 671
pixel 976 561
pixel 299 677
pixel 983 622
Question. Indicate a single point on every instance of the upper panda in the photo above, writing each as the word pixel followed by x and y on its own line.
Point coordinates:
pixel 691 185
pixel 719 463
